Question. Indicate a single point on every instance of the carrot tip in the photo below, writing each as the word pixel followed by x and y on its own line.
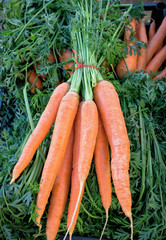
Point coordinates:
pixel 12 181
pixel 40 226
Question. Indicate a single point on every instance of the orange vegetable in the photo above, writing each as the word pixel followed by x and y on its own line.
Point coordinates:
pixel 114 125
pixel 75 185
pixel 152 30
pixel 130 60
pixel 34 80
pixel 60 192
pixel 66 55
pixel 103 169
pixel 141 63
pixel 157 61
pixel 62 129
pixel 45 122
pixel 88 134
pixel 156 41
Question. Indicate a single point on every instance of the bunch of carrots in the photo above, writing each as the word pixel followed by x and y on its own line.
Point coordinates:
pixel 152 55
pixel 88 120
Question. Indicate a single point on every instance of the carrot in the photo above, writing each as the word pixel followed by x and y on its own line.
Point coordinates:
pixel 161 75
pixel 129 29
pixel 66 55
pixel 62 129
pixel 137 29
pixel 60 192
pixel 88 134
pixel 103 169
pixel 141 62
pixel 75 185
pixel 157 61
pixel 45 122
pixel 152 30
pixel 51 59
pixel 33 79
pixel 111 114
pixel 130 61
pixel 156 41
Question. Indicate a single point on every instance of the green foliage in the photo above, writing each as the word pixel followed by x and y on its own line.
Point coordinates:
pixel 32 29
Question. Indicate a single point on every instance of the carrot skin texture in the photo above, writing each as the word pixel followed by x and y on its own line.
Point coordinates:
pixel 62 129
pixel 45 122
pixel 75 185
pixel 88 135
pixel 141 62
pixel 157 61
pixel 161 75
pixel 152 30
pixel 60 192
pixel 108 104
pixel 156 41
pixel 102 166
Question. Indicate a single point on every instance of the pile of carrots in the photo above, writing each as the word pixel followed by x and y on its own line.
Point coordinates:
pixel 151 56
pixel 87 121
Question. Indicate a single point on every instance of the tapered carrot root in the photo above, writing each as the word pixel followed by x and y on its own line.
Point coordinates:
pixel 60 192
pixel 63 125
pixel 102 166
pixel 103 169
pixel 152 30
pixel 45 122
pixel 114 124
pixel 75 185
pixel 141 62
pixel 156 41
pixel 88 134
pixel 157 61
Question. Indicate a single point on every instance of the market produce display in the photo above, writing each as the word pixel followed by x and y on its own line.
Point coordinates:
pixel 83 121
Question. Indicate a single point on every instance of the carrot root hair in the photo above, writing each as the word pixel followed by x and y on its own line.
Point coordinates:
pixel 131 225
pixel 106 221
pixel 75 210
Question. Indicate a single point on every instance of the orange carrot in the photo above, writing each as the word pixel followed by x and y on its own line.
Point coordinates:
pixel 152 30
pixel 75 185
pixel 157 61
pixel 161 75
pixel 141 63
pixel 137 29
pixel 34 80
pixel 88 134
pixel 130 61
pixel 62 129
pixel 114 124
pixel 103 169
pixel 45 122
pixel 60 192
pixel 66 55
pixel 156 41
pixel 129 29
